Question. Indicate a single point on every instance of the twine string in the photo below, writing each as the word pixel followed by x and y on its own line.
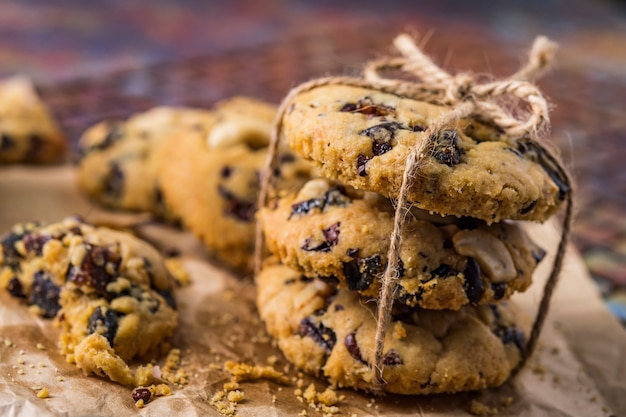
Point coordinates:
pixel 466 97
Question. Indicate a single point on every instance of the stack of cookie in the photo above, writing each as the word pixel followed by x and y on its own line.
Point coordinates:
pixel 199 167
pixel 462 254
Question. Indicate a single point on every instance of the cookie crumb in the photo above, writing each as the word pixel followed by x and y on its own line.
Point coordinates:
pixel 481 409
pixel 43 393
pixel 40 346
pixel 242 372
pixel 20 372
pixel 21 361
pixel 60 379
pixel 235 396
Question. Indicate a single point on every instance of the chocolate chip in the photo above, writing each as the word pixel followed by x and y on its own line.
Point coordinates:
pixel 361 161
pixel 331 234
pixel 109 320
pixel 141 394
pixel 235 207
pixel 538 254
pixel 367 106
pixel 392 358
pixel 15 288
pixel 353 252
pixel 93 271
pixel 515 152
pixel 353 348
pixel 6 142
pixel 339 307
pixel 226 171
pixel 445 147
pixel 473 284
pixel 290 281
pixel 34 242
pixel 45 294
pixel 499 289
pixel 418 128
pixel 114 181
pixel 528 208
pixel 305 279
pixel 324 336
pixel 113 135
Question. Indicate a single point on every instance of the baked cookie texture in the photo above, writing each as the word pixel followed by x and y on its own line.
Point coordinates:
pixel 110 292
pixel 212 181
pixel 341 236
pixel 120 159
pixel 28 131
pixel 362 137
pixel 330 332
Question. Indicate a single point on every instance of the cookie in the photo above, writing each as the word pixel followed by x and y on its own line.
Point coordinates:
pixel 109 291
pixel 330 332
pixel 118 165
pixel 362 137
pixel 342 236
pixel 212 182
pixel 28 131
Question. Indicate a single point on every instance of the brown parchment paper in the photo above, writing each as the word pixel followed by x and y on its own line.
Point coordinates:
pixel 579 369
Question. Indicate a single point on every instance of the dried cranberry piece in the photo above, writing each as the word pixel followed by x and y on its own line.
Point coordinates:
pixel 528 208
pixel 6 142
pixel 114 181
pixel 305 207
pixel 93 271
pixel 141 394
pixel 331 234
pixel 361 161
pixel 226 171
pixel 329 279
pixel 34 243
pixel 353 348
pixel 336 196
pixel 445 148
pixel 442 270
pixel 15 288
pixel 45 294
pixel 35 146
pixel 511 334
pixel 392 358
pixel 324 336
pixel 339 307
pixel 382 135
pixel 473 284
pixel 360 273
pixel 108 319
pixel 11 257
pixel 168 295
pixel 499 289
pixel 235 207
pixel 538 254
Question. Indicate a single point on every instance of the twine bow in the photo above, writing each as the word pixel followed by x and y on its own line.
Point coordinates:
pixel 466 97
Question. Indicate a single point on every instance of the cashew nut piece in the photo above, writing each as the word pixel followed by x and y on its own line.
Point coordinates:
pixel 236 129
pixel 490 253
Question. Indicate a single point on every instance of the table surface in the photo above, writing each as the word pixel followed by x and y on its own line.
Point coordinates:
pixel 97 59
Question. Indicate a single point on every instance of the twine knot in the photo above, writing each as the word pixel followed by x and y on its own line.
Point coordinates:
pixel 488 99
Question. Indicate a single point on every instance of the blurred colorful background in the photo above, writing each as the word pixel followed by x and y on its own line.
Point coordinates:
pixel 97 59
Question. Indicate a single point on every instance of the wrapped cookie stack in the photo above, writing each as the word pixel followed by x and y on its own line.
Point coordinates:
pixel 460 253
